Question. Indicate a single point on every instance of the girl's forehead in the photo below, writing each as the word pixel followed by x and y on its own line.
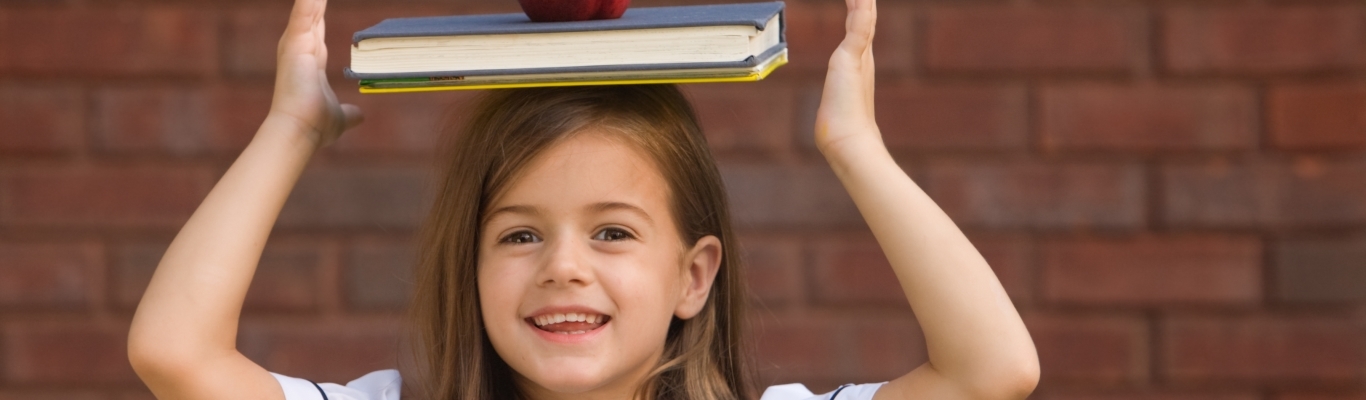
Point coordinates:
pixel 585 169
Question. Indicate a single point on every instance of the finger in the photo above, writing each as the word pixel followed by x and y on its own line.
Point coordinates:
pixel 303 16
pixel 318 25
pixel 859 26
pixel 321 47
pixel 351 116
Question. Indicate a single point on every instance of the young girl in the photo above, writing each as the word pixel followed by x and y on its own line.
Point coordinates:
pixel 579 247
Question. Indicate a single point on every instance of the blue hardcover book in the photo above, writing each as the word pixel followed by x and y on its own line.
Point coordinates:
pixel 706 42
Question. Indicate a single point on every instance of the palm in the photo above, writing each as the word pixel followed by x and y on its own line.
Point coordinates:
pixel 846 108
pixel 302 92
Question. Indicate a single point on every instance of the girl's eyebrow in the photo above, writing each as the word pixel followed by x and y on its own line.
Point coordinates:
pixel 600 207
pixel 513 209
pixel 614 205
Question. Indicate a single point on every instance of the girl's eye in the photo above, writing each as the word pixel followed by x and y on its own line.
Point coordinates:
pixel 612 235
pixel 520 237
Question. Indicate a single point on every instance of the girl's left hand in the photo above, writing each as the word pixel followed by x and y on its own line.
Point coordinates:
pixel 303 95
pixel 846 110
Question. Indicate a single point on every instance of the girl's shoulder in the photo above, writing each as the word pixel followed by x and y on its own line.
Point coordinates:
pixel 385 385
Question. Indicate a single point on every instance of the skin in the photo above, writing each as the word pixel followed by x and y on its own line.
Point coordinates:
pixel 183 338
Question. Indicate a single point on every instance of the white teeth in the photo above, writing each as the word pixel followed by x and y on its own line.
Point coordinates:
pixel 543 320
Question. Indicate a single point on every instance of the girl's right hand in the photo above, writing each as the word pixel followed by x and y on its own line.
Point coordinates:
pixel 303 96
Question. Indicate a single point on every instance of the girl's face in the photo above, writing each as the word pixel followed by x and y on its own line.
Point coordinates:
pixel 581 270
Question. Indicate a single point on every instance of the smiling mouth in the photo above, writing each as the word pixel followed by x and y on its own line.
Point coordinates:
pixel 568 323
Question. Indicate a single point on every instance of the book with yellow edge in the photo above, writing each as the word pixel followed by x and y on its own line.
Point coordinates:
pixel 686 44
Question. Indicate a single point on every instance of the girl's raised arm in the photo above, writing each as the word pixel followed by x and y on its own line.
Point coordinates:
pixel 183 338
pixel 978 346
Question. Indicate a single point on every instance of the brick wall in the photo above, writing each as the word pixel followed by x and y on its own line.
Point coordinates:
pixel 1174 193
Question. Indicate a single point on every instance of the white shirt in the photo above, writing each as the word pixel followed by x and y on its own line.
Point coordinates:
pixel 385 384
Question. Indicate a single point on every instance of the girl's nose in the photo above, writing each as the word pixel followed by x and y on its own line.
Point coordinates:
pixel 566 264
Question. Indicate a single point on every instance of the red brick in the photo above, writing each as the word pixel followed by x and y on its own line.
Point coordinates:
pixel 1154 395
pixel 52 395
pixel 252 36
pixel 755 117
pixel 1320 396
pixel 1012 259
pixel 193 120
pixel 379 274
pixel 107 196
pixel 1146 118
pixel 1099 349
pixel 797 349
pixel 409 124
pixel 1321 269
pixel 183 121
pixel 151 118
pixel 884 348
pixel 1317 116
pixel 1265 349
pixel 856 271
pixel 1039 195
pixel 324 352
pixel 151 40
pixel 772 195
pixel 287 276
pixel 67 354
pixel 1039 39
pixel 815 29
pixel 41 119
pixel 379 197
pixel 236 113
pixel 39 275
pixel 773 269
pixel 943 117
pixel 143 394
pixel 1264 39
pixel 850 348
pixel 1303 192
pixel 1148 270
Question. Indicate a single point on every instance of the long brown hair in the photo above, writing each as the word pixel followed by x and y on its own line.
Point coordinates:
pixel 705 357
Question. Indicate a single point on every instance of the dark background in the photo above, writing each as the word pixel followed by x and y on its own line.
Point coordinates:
pixel 1173 193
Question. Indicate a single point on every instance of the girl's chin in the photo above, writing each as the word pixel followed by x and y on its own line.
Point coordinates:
pixel 579 382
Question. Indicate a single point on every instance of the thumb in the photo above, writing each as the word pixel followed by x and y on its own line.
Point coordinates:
pixel 351 116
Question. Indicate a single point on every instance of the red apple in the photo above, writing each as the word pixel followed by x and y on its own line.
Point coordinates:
pixel 573 10
pixel 611 9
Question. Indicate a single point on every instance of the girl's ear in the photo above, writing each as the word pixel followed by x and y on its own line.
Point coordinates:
pixel 702 262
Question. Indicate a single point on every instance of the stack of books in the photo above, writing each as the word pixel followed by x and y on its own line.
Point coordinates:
pixel 686 44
